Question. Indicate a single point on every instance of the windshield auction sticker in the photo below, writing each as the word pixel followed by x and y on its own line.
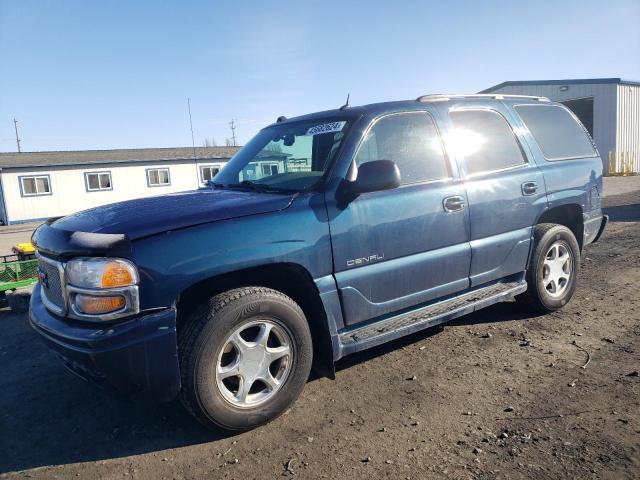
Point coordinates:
pixel 326 128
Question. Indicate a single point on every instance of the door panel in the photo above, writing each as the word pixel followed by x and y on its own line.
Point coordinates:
pixel 501 219
pixel 396 249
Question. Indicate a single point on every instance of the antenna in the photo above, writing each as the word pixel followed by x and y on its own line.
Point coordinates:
pixel 346 105
pixel 15 126
pixel 232 126
pixel 193 143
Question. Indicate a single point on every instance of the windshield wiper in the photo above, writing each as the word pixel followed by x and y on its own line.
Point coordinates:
pixel 258 187
pixel 213 184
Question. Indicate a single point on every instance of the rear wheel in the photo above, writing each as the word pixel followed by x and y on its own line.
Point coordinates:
pixel 553 268
pixel 245 357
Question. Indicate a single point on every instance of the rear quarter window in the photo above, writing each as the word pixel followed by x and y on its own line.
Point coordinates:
pixel 557 132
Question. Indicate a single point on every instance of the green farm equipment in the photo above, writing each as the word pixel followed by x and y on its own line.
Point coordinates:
pixel 16 271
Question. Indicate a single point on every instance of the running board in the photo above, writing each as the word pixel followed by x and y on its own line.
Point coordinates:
pixel 361 338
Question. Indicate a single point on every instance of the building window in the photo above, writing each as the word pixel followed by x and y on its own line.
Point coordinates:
pixel 207 172
pixel 33 186
pixel 158 177
pixel 269 169
pixel 96 181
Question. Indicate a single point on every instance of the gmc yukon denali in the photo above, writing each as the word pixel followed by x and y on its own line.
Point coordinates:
pixel 325 235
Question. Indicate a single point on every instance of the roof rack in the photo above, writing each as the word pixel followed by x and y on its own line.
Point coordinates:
pixel 497 96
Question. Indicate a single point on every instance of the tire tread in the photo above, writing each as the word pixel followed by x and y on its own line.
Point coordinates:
pixel 194 326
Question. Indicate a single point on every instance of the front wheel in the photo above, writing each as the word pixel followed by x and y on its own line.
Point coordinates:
pixel 245 357
pixel 553 269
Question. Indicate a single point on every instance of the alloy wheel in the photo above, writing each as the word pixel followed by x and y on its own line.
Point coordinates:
pixel 254 363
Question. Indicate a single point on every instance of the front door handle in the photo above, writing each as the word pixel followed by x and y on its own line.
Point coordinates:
pixel 453 204
pixel 529 188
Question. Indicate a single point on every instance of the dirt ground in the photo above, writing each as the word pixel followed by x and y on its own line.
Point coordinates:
pixel 498 394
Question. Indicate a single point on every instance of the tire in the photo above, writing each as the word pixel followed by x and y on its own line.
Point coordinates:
pixel 551 243
pixel 19 302
pixel 237 339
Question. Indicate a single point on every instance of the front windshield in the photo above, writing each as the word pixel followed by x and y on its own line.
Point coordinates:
pixel 288 157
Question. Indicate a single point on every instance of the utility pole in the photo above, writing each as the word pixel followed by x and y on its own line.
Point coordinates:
pixel 15 126
pixel 232 126
pixel 193 143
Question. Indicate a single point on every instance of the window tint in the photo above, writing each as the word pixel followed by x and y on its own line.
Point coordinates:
pixel 556 131
pixel 411 141
pixel 35 185
pixel 485 141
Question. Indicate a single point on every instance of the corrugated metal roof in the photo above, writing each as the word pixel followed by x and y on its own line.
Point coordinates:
pixel 573 81
pixel 92 157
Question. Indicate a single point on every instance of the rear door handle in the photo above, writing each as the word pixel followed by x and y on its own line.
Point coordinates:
pixel 529 188
pixel 454 203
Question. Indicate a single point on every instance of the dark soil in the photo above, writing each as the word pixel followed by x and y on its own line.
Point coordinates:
pixel 513 404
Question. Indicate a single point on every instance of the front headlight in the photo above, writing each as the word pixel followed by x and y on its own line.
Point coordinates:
pixel 102 288
pixel 101 273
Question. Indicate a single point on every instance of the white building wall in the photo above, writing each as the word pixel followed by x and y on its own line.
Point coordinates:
pixel 605 107
pixel 69 193
pixel 627 158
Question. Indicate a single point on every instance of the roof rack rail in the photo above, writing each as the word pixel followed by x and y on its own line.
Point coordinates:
pixel 497 96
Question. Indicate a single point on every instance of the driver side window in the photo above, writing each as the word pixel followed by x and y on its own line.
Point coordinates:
pixel 411 141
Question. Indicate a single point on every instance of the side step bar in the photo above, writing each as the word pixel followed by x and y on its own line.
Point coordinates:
pixel 360 338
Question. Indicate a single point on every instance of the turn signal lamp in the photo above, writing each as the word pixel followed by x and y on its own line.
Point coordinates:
pixel 94 305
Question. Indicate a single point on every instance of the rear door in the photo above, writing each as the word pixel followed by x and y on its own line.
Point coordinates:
pixel 399 248
pixel 506 191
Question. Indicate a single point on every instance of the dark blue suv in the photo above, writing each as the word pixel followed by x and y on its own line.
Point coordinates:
pixel 325 235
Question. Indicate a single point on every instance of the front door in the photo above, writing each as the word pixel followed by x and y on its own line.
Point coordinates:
pixel 396 249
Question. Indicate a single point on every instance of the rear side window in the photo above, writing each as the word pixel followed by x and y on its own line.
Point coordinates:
pixel 557 132
pixel 485 140
pixel 411 141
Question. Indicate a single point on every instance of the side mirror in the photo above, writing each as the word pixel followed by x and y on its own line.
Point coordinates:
pixel 375 176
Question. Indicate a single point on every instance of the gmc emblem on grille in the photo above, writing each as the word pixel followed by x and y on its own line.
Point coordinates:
pixel 43 278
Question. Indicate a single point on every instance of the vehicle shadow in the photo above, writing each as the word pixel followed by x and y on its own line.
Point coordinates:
pixel 50 417
pixel 623 213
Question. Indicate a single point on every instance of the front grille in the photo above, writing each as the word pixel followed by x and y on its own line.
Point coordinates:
pixel 51 282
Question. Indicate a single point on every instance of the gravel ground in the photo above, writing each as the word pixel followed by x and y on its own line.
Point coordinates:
pixel 498 394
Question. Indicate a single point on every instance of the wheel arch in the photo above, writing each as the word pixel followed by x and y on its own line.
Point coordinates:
pixel 289 278
pixel 569 215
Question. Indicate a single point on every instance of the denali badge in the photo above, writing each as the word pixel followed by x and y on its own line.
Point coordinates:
pixel 360 261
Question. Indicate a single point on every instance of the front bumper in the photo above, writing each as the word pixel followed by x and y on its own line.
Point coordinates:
pixel 136 358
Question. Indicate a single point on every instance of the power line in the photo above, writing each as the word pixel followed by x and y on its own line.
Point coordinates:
pixel 15 126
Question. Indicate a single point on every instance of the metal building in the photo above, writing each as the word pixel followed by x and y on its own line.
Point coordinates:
pixel 608 107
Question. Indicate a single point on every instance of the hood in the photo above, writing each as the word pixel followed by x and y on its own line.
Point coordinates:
pixel 151 215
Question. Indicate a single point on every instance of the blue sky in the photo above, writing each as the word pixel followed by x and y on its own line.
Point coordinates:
pixel 109 74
